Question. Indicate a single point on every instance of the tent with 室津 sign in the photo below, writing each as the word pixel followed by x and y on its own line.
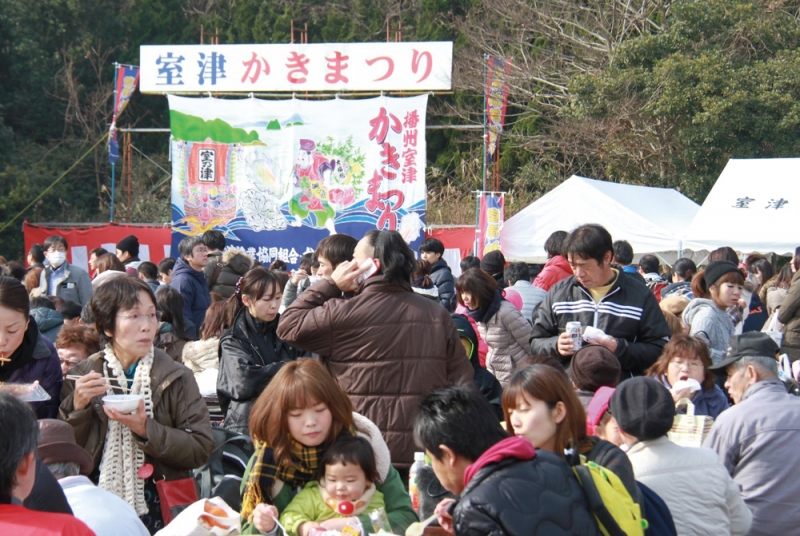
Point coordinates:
pixel 753 207
pixel 651 219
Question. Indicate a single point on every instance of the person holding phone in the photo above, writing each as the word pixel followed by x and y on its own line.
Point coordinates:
pixel 385 339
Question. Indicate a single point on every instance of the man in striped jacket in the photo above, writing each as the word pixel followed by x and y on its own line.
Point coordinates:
pixel 600 296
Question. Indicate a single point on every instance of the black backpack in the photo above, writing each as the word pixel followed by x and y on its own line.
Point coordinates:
pixel 656 512
pixel 221 476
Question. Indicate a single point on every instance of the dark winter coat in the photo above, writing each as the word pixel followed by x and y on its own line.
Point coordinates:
pixel 250 354
pixel 235 263
pixel 41 364
pixel 49 321
pixel 168 340
pixel 516 497
pixel 192 285
pixel 789 315
pixel 386 346
pixel 629 312
pixel 442 277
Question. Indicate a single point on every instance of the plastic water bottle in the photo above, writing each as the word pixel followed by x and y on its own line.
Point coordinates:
pixel 413 489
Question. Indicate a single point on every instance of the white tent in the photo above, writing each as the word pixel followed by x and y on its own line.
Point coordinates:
pixel 651 219
pixel 753 206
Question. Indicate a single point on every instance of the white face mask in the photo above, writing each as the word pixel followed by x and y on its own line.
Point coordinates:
pixel 56 258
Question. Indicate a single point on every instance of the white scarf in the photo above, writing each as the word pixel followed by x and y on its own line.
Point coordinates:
pixel 122 458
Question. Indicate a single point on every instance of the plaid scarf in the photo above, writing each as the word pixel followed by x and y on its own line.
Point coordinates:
pixel 265 471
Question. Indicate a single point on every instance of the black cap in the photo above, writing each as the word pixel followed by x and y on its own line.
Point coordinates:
pixel 752 343
pixel 129 244
pixel 493 262
pixel 643 408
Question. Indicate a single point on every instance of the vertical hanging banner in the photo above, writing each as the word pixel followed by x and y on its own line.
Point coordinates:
pixel 126 78
pixel 497 72
pixel 490 222
pixel 278 176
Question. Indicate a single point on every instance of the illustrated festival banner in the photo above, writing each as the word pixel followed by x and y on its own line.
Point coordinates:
pixel 333 67
pixel 278 176
pixel 497 71
pixel 489 232
pixel 125 78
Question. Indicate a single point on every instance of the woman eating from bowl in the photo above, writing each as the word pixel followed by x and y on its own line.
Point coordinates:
pixel 168 434
pixel 683 369
pixel 295 419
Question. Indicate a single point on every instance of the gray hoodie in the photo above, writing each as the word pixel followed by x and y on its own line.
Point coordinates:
pixel 707 321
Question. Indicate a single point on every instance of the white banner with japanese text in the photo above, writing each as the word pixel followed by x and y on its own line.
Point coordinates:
pixel 277 176
pixel 317 67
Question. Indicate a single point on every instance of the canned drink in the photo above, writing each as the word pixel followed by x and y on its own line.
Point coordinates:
pixel 574 330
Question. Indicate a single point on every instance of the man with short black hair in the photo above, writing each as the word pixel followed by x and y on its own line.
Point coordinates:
pixel 648 269
pixel 757 438
pixel 148 272
pixel 165 267
pixel 60 278
pixel 386 346
pixel 71 312
pixel 215 242
pixel 18 474
pixel 623 256
pixel 431 250
pixel 518 276
pixel 36 257
pixel 188 279
pixel 598 295
pixel 505 485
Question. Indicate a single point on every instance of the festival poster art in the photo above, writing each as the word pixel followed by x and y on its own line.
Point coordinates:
pixel 278 176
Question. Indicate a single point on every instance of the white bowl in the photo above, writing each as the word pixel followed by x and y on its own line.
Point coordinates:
pixel 123 403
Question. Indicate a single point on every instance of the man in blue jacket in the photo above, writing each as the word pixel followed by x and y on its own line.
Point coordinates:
pixel 189 280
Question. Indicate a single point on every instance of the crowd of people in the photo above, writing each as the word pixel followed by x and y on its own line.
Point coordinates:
pixel 512 378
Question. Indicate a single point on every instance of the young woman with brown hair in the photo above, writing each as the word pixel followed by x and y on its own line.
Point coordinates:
pixel 250 352
pixel 540 404
pixel 506 332
pixel 301 413
pixel 686 357
pixel 715 289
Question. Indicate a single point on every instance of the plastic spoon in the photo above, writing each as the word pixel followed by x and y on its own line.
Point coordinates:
pixel 417 528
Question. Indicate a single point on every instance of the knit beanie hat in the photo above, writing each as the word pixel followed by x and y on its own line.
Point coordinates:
pixel 717 269
pixel 493 262
pixel 643 408
pixel 593 367
pixel 130 244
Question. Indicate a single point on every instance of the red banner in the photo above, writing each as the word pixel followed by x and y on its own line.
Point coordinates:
pixel 154 242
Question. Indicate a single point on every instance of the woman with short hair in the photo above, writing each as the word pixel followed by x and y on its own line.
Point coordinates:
pixel 685 357
pixel 169 433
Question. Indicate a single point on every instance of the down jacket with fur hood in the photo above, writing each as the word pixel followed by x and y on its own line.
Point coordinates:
pixel 235 263
pixel 506 334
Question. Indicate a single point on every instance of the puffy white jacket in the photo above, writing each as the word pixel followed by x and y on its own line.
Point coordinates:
pixel 506 334
pixel 695 485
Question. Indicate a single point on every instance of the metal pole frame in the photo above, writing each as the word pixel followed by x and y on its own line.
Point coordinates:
pixel 113 164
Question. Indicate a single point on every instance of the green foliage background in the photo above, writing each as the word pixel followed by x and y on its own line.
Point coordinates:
pixel 697 83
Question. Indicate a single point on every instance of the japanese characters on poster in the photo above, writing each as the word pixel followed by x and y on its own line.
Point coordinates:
pixel 489 232
pixel 278 176
pixel 296 67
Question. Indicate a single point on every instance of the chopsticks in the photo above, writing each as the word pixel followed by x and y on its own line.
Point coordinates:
pixel 75 377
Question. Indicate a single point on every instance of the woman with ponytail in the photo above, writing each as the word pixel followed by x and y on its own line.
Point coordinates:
pixel 716 288
pixel 250 352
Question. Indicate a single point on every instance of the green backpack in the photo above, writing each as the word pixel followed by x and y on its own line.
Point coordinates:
pixel 609 500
